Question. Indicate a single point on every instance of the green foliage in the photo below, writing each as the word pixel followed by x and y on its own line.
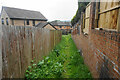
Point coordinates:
pixel 47 68
pixel 64 61
pixel 77 65
pixel 81 8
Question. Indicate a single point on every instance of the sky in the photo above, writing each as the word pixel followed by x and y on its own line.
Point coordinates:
pixel 63 10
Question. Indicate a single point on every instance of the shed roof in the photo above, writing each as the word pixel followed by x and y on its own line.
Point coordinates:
pixel 42 25
pixel 16 13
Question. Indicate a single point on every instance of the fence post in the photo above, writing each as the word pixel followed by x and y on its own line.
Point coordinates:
pixel 96 14
pixel 1 51
pixel 92 16
pixel 118 21
pixel 82 21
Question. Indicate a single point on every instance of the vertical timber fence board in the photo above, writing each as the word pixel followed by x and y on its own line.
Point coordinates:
pixel 52 39
pixel 48 41
pixel 5 45
pixel 118 20
pixel 19 45
pixel 55 38
pixel 1 52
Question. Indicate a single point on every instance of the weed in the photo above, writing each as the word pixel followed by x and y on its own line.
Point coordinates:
pixel 64 61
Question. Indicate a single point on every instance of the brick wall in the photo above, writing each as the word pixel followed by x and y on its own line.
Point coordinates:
pixel 100 49
pixel 101 52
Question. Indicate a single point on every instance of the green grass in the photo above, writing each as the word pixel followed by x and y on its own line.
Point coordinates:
pixel 64 61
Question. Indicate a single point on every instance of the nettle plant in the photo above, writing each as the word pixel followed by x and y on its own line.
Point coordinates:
pixel 47 68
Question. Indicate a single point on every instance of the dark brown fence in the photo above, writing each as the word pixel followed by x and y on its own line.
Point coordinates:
pixel 22 44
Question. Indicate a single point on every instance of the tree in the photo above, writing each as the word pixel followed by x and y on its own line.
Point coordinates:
pixel 81 8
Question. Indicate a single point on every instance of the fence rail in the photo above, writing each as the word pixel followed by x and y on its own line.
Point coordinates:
pixel 21 44
pixel 107 15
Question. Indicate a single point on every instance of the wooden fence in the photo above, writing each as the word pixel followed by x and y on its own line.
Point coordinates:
pixel 20 45
pixel 107 16
pixel 87 18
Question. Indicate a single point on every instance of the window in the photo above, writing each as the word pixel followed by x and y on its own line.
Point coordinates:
pixel 60 26
pixel 71 26
pixel 27 22
pixel 7 21
pixel 33 22
pixel 64 26
pixel 2 21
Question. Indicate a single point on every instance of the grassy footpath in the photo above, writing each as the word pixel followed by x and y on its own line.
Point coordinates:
pixel 64 61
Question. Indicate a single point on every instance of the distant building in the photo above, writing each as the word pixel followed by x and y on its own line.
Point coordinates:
pixel 46 25
pixel 62 25
pixel 20 17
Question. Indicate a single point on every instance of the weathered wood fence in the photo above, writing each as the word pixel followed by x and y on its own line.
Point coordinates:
pixel 20 45
pixel 87 18
pixel 106 16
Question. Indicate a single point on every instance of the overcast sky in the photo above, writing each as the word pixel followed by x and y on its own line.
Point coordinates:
pixel 51 9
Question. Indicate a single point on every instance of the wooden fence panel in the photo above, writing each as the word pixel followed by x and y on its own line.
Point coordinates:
pixel 52 40
pixel 87 18
pixel 20 45
pixel 108 15
pixel 5 51
pixel 1 52
pixel 55 38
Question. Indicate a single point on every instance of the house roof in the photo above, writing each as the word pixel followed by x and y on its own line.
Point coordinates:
pixel 16 13
pixel 60 23
pixel 42 25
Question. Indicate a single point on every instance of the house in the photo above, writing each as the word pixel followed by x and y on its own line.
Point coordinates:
pixel 62 25
pixel 46 25
pixel 20 17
